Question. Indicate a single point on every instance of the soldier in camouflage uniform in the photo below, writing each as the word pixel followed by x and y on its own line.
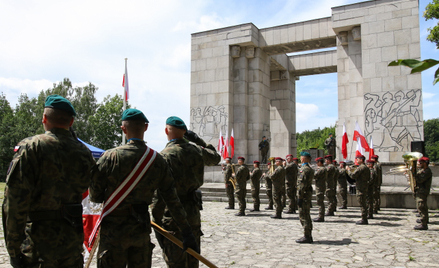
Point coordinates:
pixel 304 195
pixel 230 190
pixel 377 189
pixel 361 175
pixel 187 162
pixel 422 190
pixel 125 232
pixel 331 183
pixel 255 177
pixel 291 183
pixel 320 182
pixel 371 186
pixel 343 185
pixel 268 187
pixel 278 180
pixel 242 175
pixel 46 180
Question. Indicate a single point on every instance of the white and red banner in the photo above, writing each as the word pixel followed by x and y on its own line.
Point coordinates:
pixel 232 144
pixel 344 142
pixel 125 82
pixel 226 145
pixel 371 151
pixel 359 137
pixel 90 215
pixel 221 143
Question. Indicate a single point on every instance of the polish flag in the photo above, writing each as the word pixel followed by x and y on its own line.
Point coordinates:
pixel 371 151
pixel 359 151
pixel 344 142
pixel 125 83
pixel 359 137
pixel 232 145
pixel 226 144
pixel 90 215
pixel 221 143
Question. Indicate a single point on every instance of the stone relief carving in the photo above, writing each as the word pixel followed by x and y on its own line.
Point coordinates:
pixel 208 121
pixel 393 120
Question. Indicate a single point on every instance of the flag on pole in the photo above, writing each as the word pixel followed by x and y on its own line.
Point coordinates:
pixel 226 144
pixel 232 145
pixel 125 82
pixel 359 151
pixel 344 142
pixel 358 136
pixel 221 143
pixel 90 215
pixel 371 151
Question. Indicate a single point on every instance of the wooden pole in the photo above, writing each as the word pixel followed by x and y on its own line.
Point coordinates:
pixel 180 244
pixel 93 249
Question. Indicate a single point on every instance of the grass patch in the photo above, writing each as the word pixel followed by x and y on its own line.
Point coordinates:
pixel 411 258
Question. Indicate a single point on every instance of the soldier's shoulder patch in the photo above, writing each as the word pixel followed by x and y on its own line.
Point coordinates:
pixel 16 148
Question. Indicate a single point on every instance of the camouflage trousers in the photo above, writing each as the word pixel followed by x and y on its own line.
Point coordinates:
pixel 332 200
pixel 343 190
pixel 361 198
pixel 421 204
pixel 277 196
pixel 240 193
pixel 305 217
pixel 269 191
pixel 52 244
pixel 369 200
pixel 124 241
pixel 230 191
pixel 255 192
pixel 291 192
pixel 320 197
pixel 376 198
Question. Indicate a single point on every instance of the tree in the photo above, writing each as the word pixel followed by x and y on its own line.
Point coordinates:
pixel 106 121
pixel 6 144
pixel 431 138
pixel 431 12
pixel 313 139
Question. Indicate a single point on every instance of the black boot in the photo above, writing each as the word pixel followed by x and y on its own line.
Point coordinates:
pixel 276 216
pixel 240 214
pixel 421 227
pixel 254 209
pixel 362 222
pixel 229 207
pixel 319 219
pixel 269 208
pixel 305 240
pixel 329 213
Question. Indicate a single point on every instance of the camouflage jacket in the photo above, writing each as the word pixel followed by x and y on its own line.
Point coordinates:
pixel 278 178
pixel 256 175
pixel 320 177
pixel 373 177
pixel 47 171
pixel 227 173
pixel 242 175
pixel 343 176
pixel 304 181
pixel 361 176
pixel 331 179
pixel 379 171
pixel 291 173
pixel 114 166
pixel 423 181
pixel 186 161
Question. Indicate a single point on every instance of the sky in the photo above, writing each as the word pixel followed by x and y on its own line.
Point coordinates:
pixel 42 42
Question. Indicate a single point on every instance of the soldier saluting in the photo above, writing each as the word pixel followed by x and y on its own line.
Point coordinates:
pixel 46 179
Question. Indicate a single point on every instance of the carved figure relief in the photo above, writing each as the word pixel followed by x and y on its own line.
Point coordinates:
pixel 393 120
pixel 208 121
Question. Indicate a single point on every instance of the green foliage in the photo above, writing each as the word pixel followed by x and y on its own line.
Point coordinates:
pixel 418 66
pixel 432 12
pixel 313 139
pixel 431 138
pixel 96 124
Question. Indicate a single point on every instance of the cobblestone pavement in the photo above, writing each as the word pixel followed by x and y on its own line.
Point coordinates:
pixel 256 240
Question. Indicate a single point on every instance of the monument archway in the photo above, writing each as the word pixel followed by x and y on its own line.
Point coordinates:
pixel 243 79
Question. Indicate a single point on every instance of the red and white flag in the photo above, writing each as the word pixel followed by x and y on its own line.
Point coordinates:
pixel 344 142
pixel 90 215
pixel 359 137
pixel 359 151
pixel 125 82
pixel 232 145
pixel 221 143
pixel 371 151
pixel 226 145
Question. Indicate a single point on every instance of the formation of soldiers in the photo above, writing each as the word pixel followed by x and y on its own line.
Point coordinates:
pixel 46 180
pixel 292 182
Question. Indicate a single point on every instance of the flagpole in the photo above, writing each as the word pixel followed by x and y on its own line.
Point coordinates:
pixel 125 96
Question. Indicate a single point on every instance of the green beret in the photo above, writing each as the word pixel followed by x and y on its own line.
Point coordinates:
pixel 133 114
pixel 303 153
pixel 176 122
pixel 61 103
pixel 329 134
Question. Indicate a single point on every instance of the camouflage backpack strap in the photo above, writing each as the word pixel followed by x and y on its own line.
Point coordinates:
pixel 125 188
